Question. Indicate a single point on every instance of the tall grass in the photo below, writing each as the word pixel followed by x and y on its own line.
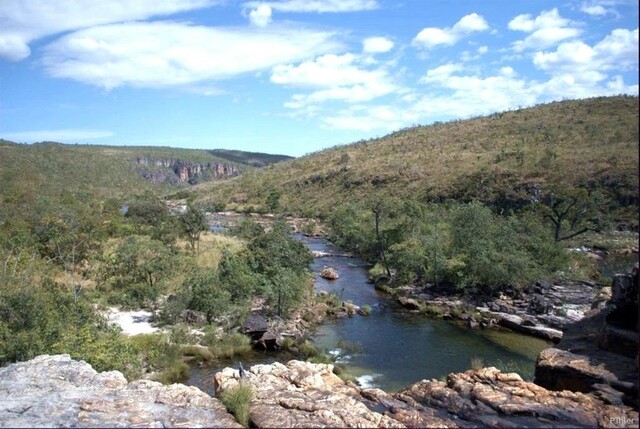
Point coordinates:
pixel 237 400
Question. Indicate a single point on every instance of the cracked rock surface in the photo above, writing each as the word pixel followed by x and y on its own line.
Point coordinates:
pixel 57 391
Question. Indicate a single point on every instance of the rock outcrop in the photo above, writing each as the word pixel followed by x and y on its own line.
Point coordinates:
pixel 302 394
pixel 599 353
pixel 177 171
pixel 56 391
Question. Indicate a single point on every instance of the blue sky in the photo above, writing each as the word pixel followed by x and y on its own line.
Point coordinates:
pixel 296 76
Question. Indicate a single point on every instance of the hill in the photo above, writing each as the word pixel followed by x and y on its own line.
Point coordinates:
pixel 255 159
pixel 504 159
pixel 111 171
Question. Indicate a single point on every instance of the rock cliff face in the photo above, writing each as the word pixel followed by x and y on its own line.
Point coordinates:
pixel 56 391
pixel 599 354
pixel 302 394
pixel 176 171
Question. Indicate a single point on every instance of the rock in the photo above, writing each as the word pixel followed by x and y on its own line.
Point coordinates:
pixel 409 303
pixel 302 394
pixel 329 273
pixel 255 326
pixel 559 370
pixel 624 299
pixel 57 391
pixel 269 341
pixel 538 304
pixel 521 324
pixel 618 340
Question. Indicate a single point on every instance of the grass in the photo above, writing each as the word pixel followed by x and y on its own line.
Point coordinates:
pixel 229 345
pixel 590 143
pixel 237 400
pixel 476 362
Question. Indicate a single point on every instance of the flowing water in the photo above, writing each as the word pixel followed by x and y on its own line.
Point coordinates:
pixel 391 348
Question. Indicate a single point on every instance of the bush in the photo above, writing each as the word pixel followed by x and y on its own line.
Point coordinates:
pixel 237 400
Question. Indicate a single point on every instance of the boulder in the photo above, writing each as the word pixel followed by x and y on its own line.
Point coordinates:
pixel 57 391
pixel 409 303
pixel 562 370
pixel 329 273
pixel 255 326
pixel 624 299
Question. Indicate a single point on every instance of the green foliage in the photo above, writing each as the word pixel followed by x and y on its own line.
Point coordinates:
pixel 502 160
pixel 228 345
pixel 207 295
pixel 273 200
pixel 36 320
pixel 138 270
pixel 237 399
pixel 158 354
pixel 192 222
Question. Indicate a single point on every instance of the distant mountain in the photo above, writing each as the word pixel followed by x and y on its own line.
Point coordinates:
pixel 48 168
pixel 254 159
pixel 503 159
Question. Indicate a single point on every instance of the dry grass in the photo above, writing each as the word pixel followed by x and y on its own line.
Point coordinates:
pixel 575 143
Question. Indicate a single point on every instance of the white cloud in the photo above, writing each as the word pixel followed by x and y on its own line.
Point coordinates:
pixel 595 10
pixel 547 29
pixel 377 45
pixel 63 136
pixel 432 36
pixel 617 51
pixel 23 21
pixel 333 77
pixel 319 6
pixel 260 16
pixel 166 53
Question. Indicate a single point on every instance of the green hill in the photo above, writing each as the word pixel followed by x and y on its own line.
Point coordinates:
pixel 48 168
pixel 255 159
pixel 504 159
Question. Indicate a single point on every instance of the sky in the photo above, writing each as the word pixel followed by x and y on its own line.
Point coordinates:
pixel 296 76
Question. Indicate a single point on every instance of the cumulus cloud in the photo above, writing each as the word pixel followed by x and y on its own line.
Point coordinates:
pixel 318 6
pixel 617 51
pixel 377 45
pixel 260 16
pixel 23 21
pixel 547 29
pixel 63 136
pixel 333 77
pixel 162 54
pixel 596 10
pixel 430 37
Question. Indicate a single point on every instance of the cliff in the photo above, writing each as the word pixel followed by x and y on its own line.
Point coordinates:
pixel 177 171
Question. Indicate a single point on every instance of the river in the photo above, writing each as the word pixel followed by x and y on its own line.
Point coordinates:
pixel 392 348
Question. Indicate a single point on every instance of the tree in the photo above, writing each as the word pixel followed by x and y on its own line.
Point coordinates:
pixel 571 212
pixel 273 200
pixel 207 295
pixel 192 222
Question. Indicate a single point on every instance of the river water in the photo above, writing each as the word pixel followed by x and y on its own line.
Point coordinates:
pixel 392 348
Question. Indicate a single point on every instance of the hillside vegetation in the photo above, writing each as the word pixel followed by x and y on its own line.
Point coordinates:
pixel 48 168
pixel 255 159
pixel 504 160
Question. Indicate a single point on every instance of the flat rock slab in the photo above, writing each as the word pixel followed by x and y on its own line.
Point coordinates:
pixel 57 391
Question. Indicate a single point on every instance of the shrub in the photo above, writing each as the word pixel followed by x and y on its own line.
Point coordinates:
pixel 237 400
pixel 476 362
pixel 177 373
